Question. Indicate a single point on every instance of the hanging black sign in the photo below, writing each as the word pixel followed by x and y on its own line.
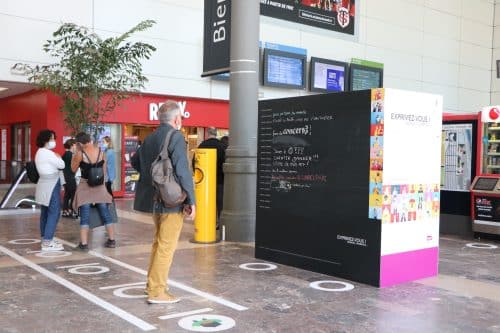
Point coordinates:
pixel 217 33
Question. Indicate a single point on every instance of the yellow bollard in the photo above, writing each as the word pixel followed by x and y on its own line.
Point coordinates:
pixel 205 167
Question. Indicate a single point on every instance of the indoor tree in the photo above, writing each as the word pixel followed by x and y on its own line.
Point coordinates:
pixel 91 75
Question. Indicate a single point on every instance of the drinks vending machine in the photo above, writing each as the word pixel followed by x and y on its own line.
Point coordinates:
pixel 485 189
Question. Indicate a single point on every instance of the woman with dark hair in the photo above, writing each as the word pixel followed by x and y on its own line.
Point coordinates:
pixel 69 177
pixel 87 155
pixel 48 188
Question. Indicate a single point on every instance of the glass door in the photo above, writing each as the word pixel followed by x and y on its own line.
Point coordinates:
pixel 491 148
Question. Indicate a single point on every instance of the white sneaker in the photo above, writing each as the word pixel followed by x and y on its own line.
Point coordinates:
pixel 50 246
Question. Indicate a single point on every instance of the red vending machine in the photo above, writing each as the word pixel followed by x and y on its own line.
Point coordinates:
pixel 485 188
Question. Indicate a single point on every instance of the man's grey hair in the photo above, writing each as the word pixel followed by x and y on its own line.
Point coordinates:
pixel 169 110
pixel 212 131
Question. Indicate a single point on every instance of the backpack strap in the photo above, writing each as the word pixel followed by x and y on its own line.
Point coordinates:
pixel 87 156
pixel 164 148
pixel 161 156
pixel 90 162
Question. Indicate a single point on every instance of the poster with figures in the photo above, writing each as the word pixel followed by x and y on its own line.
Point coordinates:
pixel 131 176
pixel 376 153
pixel 456 157
pixel 411 171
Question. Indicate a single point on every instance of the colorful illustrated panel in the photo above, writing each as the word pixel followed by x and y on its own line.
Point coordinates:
pixel 376 146
pixel 377 95
pixel 377 118
pixel 376 177
pixel 407 203
pixel 375 213
pixel 377 130
pixel 376 153
pixel 376 164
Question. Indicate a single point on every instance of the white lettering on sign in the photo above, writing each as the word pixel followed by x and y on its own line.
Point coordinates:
pixel 154 107
pixel 219 34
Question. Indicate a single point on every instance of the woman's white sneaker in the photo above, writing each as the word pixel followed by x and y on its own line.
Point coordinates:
pixel 49 246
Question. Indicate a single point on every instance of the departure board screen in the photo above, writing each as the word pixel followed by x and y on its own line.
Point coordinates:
pixel 284 69
pixel 363 77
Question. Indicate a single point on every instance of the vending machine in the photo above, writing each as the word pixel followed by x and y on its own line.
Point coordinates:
pixel 485 189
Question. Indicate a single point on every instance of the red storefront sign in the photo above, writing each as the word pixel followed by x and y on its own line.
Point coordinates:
pixel 142 109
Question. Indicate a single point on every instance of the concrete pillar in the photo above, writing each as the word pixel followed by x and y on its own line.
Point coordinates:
pixel 240 169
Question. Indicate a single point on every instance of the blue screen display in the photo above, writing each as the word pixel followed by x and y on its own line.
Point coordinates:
pixel 285 70
pixel 335 79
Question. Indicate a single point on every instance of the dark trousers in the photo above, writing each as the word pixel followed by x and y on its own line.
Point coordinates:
pixel 219 200
pixel 49 215
pixel 69 193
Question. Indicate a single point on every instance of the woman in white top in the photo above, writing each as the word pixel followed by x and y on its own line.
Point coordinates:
pixel 48 188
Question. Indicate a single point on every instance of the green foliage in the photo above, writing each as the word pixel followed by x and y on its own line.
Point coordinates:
pixel 88 69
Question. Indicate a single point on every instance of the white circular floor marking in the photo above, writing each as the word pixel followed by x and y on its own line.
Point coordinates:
pixel 317 285
pixel 206 323
pixel 54 254
pixel 481 246
pixel 88 270
pixel 263 266
pixel 120 292
pixel 24 241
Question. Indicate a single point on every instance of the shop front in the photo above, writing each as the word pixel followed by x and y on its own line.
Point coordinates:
pixel 127 127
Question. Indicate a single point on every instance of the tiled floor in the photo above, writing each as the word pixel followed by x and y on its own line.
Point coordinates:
pixel 58 294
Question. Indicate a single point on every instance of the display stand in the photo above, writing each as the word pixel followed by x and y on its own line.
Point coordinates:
pixel 458 169
pixel 348 184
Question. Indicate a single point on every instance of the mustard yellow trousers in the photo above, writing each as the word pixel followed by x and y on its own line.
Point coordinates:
pixel 167 231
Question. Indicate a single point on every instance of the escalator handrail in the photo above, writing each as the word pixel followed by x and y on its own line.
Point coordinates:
pixel 13 187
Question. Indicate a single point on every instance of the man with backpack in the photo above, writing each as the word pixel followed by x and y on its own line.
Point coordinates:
pixel 152 196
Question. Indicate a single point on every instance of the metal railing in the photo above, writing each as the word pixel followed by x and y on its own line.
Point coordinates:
pixel 9 171
pixel 12 188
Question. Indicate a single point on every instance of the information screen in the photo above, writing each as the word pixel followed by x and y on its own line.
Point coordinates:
pixel 486 184
pixel 363 77
pixel 328 75
pixel 283 69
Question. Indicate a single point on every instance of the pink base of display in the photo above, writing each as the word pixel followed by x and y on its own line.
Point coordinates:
pixel 408 266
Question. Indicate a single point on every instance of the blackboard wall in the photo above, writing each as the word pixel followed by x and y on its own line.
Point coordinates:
pixel 313 185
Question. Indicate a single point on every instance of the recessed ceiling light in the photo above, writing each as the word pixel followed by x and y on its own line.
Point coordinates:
pixel 3 89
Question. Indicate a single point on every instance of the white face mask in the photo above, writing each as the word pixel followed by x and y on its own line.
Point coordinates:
pixel 51 144
pixel 105 145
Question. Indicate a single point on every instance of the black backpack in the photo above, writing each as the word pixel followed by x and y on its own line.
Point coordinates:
pixel 96 171
pixel 32 172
